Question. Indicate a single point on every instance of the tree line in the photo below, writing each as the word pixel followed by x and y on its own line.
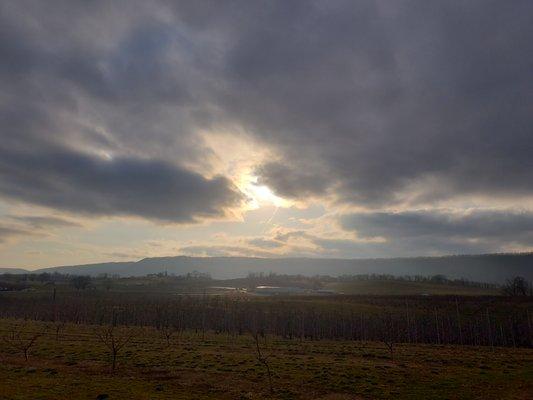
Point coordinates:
pixel 251 280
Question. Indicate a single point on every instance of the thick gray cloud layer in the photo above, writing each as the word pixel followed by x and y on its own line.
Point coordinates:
pixel 443 232
pixel 95 113
pixel 371 102
pixel 371 97
pixel 127 186
pixel 423 223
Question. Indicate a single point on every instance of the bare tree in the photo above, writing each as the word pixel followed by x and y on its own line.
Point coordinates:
pixel 390 346
pixel 167 332
pixel 387 333
pixel 81 282
pixel 114 340
pixel 517 286
pixel 58 327
pixel 21 340
pixel 263 359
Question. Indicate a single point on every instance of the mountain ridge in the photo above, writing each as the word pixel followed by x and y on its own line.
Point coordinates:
pixel 13 270
pixel 482 267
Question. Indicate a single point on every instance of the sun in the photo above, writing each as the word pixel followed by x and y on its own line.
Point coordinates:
pixel 261 195
pixel 264 195
pixel 237 156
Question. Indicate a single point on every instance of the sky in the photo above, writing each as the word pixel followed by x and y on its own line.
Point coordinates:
pixel 345 129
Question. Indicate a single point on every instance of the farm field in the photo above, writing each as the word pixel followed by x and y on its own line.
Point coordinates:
pixel 75 364
pixel 166 337
pixel 406 288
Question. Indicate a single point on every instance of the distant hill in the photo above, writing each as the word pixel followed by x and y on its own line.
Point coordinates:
pixel 13 271
pixel 485 268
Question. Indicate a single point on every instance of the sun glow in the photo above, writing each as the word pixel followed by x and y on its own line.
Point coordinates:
pixel 236 155
pixel 261 195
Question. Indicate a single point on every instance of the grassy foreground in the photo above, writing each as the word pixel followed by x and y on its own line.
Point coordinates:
pixel 75 365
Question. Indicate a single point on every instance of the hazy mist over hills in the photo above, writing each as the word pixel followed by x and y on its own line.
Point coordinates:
pixel 486 268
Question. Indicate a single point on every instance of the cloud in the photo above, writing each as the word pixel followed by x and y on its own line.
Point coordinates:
pixel 42 222
pixel 265 243
pixel 224 251
pixel 378 100
pixel 476 223
pixel 286 236
pixel 290 182
pixel 96 116
pixel 27 226
pixel 129 256
pixel 373 104
pixel 9 232
pixel 441 231
pixel 80 183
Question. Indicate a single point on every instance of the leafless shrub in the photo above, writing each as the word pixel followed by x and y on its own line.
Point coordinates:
pixel 167 332
pixel 517 286
pixel 263 359
pixel 388 333
pixel 21 339
pixel 58 326
pixel 390 346
pixel 114 339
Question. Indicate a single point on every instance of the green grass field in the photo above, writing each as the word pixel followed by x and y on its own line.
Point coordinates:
pixel 76 366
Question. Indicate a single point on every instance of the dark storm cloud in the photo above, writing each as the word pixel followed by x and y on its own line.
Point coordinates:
pixel 418 233
pixel 444 232
pixel 81 82
pixel 290 182
pixel 422 223
pixel 372 102
pixel 125 186
pixel 375 97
